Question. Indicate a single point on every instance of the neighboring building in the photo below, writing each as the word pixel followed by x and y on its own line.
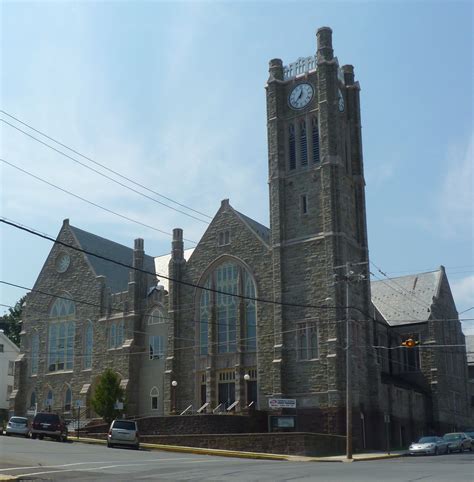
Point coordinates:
pixel 8 353
pixel 281 332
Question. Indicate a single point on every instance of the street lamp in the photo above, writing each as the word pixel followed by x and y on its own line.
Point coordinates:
pixel 247 379
pixel 174 384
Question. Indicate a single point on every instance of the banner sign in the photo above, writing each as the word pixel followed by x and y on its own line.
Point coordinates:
pixel 282 403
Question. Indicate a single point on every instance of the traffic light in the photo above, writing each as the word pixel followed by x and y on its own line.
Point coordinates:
pixel 410 343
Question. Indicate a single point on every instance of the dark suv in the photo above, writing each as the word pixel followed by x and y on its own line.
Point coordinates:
pixel 49 425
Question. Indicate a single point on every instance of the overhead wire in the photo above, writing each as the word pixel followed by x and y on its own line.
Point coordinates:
pixel 110 211
pixel 104 175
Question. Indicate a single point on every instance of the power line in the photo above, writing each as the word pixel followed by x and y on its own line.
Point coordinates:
pixel 104 175
pixel 104 166
pixel 159 275
pixel 115 213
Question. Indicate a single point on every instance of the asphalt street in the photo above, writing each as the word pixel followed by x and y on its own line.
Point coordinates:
pixel 48 460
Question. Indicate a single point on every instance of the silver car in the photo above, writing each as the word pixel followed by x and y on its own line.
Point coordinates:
pixel 123 432
pixel 458 441
pixel 429 445
pixel 18 426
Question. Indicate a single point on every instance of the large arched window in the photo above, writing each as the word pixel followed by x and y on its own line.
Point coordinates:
pixel 228 278
pixel 156 317
pixel 67 399
pixel 34 353
pixel 61 335
pixel 33 400
pixel 88 345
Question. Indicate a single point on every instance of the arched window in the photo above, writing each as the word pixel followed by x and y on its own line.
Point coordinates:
pixel 61 335
pixel 156 317
pixel 112 336
pixel 303 144
pixel 315 139
pixel 205 314
pixel 49 399
pixel 120 333
pixel 88 345
pixel 33 400
pixel 34 353
pixel 67 399
pixel 154 398
pixel 250 314
pixel 291 147
pixel 228 278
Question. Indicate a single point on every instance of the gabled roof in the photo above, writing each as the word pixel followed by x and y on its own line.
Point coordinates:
pixel 13 350
pixel 406 299
pixel 117 277
pixel 259 229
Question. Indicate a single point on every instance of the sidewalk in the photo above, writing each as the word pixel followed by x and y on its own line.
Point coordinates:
pixel 257 455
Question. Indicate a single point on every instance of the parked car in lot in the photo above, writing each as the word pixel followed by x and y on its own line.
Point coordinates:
pixel 49 425
pixel 18 426
pixel 123 432
pixel 458 441
pixel 429 445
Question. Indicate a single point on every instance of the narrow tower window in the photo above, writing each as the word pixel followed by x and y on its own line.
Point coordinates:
pixel 303 144
pixel 292 147
pixel 304 204
pixel 315 139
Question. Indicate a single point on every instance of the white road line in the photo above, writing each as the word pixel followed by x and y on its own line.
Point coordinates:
pixel 85 463
pixel 110 467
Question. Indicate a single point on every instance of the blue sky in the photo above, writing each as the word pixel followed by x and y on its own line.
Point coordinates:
pixel 172 95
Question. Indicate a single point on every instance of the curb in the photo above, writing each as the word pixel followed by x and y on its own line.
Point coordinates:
pixel 245 455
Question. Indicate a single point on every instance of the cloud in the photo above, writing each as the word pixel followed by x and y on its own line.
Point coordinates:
pixel 456 202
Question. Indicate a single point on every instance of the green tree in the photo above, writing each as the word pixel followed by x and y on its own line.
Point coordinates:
pixel 10 322
pixel 107 393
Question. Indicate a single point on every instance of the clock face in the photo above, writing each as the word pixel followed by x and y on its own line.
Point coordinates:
pixel 62 262
pixel 340 101
pixel 301 96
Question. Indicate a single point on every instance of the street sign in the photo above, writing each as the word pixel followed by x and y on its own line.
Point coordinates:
pixel 78 403
pixel 386 418
pixel 118 406
pixel 31 412
pixel 282 403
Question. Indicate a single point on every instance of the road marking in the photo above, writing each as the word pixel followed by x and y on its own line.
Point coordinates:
pixel 110 467
pixel 85 463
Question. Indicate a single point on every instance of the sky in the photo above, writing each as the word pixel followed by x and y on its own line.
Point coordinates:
pixel 172 95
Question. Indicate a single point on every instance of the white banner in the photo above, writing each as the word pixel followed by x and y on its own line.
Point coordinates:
pixel 282 403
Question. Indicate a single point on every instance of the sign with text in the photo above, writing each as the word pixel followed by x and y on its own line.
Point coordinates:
pixel 282 403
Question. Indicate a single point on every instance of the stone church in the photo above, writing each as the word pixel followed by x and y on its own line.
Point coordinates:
pixel 253 314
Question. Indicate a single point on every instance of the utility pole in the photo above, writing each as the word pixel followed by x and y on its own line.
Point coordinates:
pixel 348 369
pixel 349 276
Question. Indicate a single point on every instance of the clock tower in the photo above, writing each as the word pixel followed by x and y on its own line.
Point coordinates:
pixel 318 224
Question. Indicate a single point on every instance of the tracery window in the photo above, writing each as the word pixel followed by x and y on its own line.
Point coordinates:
pixel 235 280
pixel 156 317
pixel 68 399
pixel 88 345
pixel 307 341
pixel 34 353
pixel 154 398
pixel 61 335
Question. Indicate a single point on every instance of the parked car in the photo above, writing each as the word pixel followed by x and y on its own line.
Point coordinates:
pixel 470 433
pixel 123 432
pixel 18 426
pixel 458 441
pixel 49 425
pixel 429 445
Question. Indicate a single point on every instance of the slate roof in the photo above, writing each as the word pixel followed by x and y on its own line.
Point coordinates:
pixel 259 229
pixel 117 277
pixel 406 299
